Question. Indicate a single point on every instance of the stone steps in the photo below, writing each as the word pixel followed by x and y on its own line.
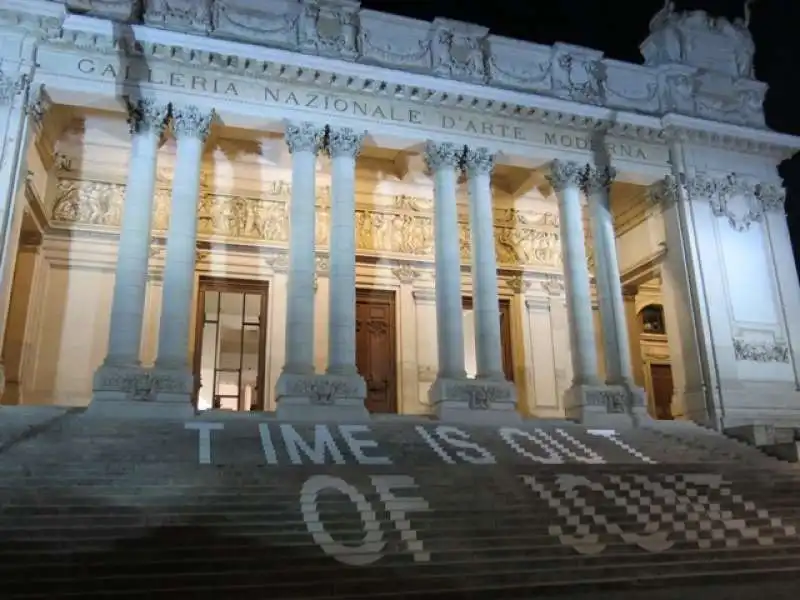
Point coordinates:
pixel 94 508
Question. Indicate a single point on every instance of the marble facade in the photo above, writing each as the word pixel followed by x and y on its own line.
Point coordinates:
pixel 287 143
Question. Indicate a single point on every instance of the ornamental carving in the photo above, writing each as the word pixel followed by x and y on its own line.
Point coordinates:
pixel 694 64
pixel 329 29
pixel 191 16
pixel 439 156
pixel 403 227
pixel 578 74
pixel 478 161
pixel 564 174
pixel 191 121
pixel 304 137
pixel 598 179
pixel 344 141
pixel 760 352
pixel 146 115
pixel 741 201
pixel 457 50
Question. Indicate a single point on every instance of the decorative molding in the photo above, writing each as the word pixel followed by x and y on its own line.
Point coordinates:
pixel 404 229
pixel 518 284
pixel 685 71
pixel 406 274
pixel 553 285
pixel 761 352
pixel 564 174
pixel 741 201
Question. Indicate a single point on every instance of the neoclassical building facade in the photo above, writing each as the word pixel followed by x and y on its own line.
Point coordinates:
pixel 329 212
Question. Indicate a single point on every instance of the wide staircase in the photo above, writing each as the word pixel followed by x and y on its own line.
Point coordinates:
pixel 230 507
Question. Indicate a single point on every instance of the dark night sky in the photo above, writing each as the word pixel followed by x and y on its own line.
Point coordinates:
pixel 618 27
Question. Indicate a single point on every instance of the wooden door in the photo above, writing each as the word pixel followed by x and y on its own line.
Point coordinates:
pixel 661 377
pixel 375 348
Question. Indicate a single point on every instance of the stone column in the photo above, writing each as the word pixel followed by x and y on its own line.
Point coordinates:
pixel 343 146
pixel 147 120
pixel 443 160
pixel 297 388
pixel 173 378
pixel 488 344
pixel 616 350
pixel 566 178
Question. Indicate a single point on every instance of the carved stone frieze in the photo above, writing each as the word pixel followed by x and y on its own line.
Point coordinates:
pixel 458 50
pixel 578 74
pixel 272 24
pixel 403 228
pixel 191 16
pixel 694 64
pixel 329 28
pixel 115 10
pixel 761 352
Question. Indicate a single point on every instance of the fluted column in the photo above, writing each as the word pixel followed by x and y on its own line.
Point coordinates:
pixel 343 146
pixel 443 160
pixel 147 120
pixel 616 350
pixel 479 163
pixel 304 141
pixel 566 178
pixel 191 126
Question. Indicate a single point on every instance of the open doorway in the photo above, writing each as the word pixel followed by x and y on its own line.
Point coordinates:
pixel 230 344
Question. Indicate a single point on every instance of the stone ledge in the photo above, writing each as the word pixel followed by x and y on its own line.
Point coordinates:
pixel 134 391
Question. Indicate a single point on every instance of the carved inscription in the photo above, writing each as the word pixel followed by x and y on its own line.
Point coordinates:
pixel 297 97
pixel 403 228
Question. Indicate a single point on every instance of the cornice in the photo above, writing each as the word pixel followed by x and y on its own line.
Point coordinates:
pixel 586 92
pixel 277 65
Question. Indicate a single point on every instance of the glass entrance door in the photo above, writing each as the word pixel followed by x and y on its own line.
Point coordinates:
pixel 230 344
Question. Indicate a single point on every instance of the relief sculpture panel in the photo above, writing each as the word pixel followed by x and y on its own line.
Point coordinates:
pixel 402 226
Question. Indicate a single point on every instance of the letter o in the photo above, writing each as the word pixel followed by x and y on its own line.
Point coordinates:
pixel 369 551
pixel 340 105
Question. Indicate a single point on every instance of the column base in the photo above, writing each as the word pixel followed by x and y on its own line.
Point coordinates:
pixel 321 397
pixel 133 391
pixel 604 405
pixel 475 401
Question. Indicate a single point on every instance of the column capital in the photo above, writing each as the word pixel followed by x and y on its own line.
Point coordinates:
pixel 191 121
pixel 479 161
pixel 303 137
pixel 442 155
pixel 344 141
pixel 564 174
pixel 598 179
pixel 146 115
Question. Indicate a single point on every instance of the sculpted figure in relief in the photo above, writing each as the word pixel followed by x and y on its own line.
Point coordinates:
pixel 399 230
